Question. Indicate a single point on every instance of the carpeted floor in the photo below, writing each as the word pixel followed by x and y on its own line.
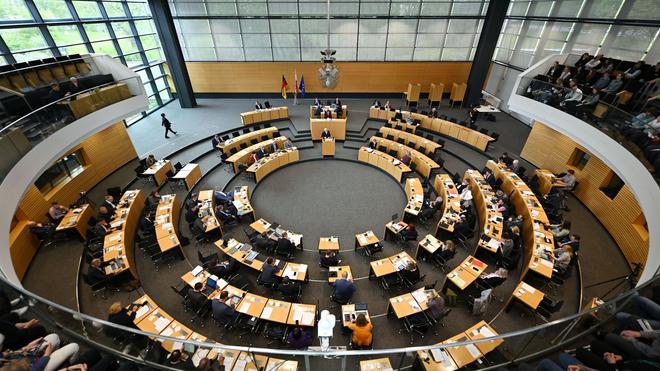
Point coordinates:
pixel 319 198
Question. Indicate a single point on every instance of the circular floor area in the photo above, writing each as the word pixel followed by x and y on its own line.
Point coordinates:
pixel 329 197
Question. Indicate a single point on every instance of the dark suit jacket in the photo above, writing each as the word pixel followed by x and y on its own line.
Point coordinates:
pixel 95 275
pixel 111 208
pixel 268 274
pixel 222 312
pixel 343 289
pixel 325 135
pixel 166 123
pixel 146 225
pixel 260 153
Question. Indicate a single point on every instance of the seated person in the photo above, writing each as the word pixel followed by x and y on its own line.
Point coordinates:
pixel 434 113
pixel 560 231
pixel 513 221
pixel 375 104
pixel 224 268
pixel 215 141
pixel 635 344
pixel 192 214
pixel 199 225
pixel 602 356
pixel 493 279
pixel 614 85
pixel 429 209
pixel 410 273
pixel 387 105
pixel 299 338
pixel 373 144
pixel 96 273
pixel 258 105
pixel 462 227
pixel 588 104
pixel 398 115
pixel 119 315
pixel 196 296
pixel 505 159
pixel 222 197
pixel 100 229
pixel 447 251
pixel 41 230
pixel 436 304
pixel 263 242
pixel 150 160
pixel 319 111
pixel 269 271
pixel 602 82
pixel 288 144
pixel 573 242
pixel 646 315
pixel 154 198
pixel 317 102
pixel 326 134
pixel 288 288
pixel 569 179
pixel 327 114
pixel 407 158
pixel 409 233
pixel 506 244
pixel 261 153
pixel 329 258
pixel 104 214
pixel 224 214
pixel 57 212
pixel 490 178
pixel 361 328
pixel 563 257
pixel 338 111
pixel 284 245
pixel 146 225
pixel 344 288
pixel 223 308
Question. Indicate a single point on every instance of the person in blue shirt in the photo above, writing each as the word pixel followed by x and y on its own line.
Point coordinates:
pixel 344 288
pixel 223 309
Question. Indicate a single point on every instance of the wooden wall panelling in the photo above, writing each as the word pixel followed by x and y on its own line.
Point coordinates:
pixel 235 77
pixel 549 149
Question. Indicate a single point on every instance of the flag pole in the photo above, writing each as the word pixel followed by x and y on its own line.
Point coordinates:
pixel 295 87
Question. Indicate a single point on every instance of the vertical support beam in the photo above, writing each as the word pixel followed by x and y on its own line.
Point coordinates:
pixel 490 32
pixel 162 16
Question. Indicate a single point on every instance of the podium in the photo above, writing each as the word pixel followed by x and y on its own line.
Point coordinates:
pixel 328 147
pixel 412 94
pixel 457 93
pixel 435 94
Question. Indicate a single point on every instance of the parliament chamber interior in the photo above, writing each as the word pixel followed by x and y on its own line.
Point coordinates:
pixel 339 185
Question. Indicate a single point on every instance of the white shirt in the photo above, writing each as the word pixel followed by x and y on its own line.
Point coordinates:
pixel 569 180
pixel 574 95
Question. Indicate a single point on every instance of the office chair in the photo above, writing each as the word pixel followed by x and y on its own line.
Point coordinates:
pixel 409 130
pixel 401 141
pixel 483 131
pixel 548 307
pixel 441 142
pixel 473 126
pixel 178 167
pixel 224 138
pixel 267 125
pixel 251 234
pixel 267 104
pixel 243 145
pixel 429 137
pixel 392 153
pixel 254 141
pixel 421 149
pixel 246 131
pixel 416 324
pixel 389 137
pixel 275 332
pixel 233 150
pixel 412 145
pixel 382 149
pixel 379 134
pixel 339 301
pixel 208 260
pixel 352 346
pixel 391 282
pixel 439 322
pixel 98 287
pixel 372 250
pixel 264 138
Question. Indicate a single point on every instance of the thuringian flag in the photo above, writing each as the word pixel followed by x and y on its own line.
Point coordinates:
pixel 284 86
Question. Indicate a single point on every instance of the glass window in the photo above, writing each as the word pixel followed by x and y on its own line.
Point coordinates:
pixel 371 54
pixel 149 41
pixel 404 9
pixel 254 26
pixel 122 29
pixel 189 9
pixel 427 54
pixel 105 47
pixel 14 10
pixel 398 54
pixel 643 9
pixel 435 9
pixel 63 170
pixel 374 9
pixel 23 38
pixel 591 34
pixel 283 26
pixel 165 95
pixel 223 9
pixel 286 54
pixel 65 35
pixel 96 31
pixel 154 55
pixel 128 45
pixel 145 26
pixel 466 8
pixel 87 9
pixel 30 56
pixel 455 54
pixel 568 8
pixel 258 54
pixel 289 8
pixel 138 9
pixel 52 9
pixel 601 8
pixel 257 40
pixel 631 38
pixel 74 49
pixel 195 26
pixel 133 60
pixel 253 9
pixel 114 9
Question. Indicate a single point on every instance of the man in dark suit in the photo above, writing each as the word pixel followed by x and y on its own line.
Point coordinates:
pixel 258 105
pixel 338 102
pixel 215 141
pixel 555 70
pixel 196 296
pixel 96 274
pixel 74 87
pixel 109 204
pixel 398 115
pixel 344 288
pixel 269 272
pixel 146 225
pixel 326 134
pixel 167 124
pixel 284 246
pixel 223 309
pixel 224 268
pixel 318 111
pixel 261 153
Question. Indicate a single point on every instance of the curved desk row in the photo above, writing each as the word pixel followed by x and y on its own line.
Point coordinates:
pixel 206 211
pixel 263 115
pixel 273 231
pixel 233 145
pixel 273 162
pixel 391 165
pixel 151 318
pixel 453 358
pixel 242 201
pixel 243 156
pixel 344 111
pixel 253 305
pixel 336 127
pixel 408 138
pixel 424 163
pixel 440 126
pixel 445 188
pixel 539 243
pixel 167 216
pixel 490 220
pixel 401 125
pixel 118 254
pixel 244 254
pixel 415 194
pixel 159 171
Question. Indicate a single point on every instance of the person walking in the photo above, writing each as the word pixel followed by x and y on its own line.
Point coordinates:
pixel 167 124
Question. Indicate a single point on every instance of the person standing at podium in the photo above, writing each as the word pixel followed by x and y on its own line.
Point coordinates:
pixel 326 134
pixel 258 105
pixel 327 114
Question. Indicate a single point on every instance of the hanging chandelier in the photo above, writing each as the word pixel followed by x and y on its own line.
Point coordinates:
pixel 329 73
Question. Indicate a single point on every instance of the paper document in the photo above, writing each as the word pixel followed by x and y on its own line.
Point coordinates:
pixel 458 281
pixel 473 350
pixel 245 307
pixel 198 356
pixel 420 296
pixel 528 288
pixel 197 270
pixel 142 311
pixel 167 332
pixel 307 318
pixel 267 312
pixel 485 332
pixel 297 315
pixel 493 244
pixel 161 323
pixel 547 263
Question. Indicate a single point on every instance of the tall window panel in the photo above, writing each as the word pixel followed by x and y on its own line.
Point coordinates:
pixel 621 29
pixel 122 29
pixel 296 30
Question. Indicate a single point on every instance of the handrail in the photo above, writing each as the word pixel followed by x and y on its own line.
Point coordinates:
pixel 82 58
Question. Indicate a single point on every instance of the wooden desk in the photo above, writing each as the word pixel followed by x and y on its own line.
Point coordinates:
pixel 463 355
pixel 391 165
pixel 337 128
pixel 381 268
pixel 466 273
pixel 376 364
pixel 233 250
pixel 263 115
pixel 547 181
pixel 367 238
pixel 429 245
pixel 276 364
pixel 272 162
pixel 167 216
pixel 176 330
pixel 484 200
pixel 276 311
pixel 242 201
pixel 245 362
pixel 328 147
pixel 305 314
pixel 408 304
pixel 444 186
pixel 429 364
pixel 409 138
pixel 528 295
pixel 415 194
pixel 246 139
pixel 159 171
pixel 190 174
pixel 243 156
pixel 261 226
pixel 119 244
pixel 155 322
pixel 329 243
pixel 349 309
pixel 424 163
pixel 481 331
pixel 77 218
pixel 191 280
pixel 252 305
pixel 207 211
pixel 144 310
pixel 339 269
pixel 344 111
pixel 393 228
pixel 295 271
